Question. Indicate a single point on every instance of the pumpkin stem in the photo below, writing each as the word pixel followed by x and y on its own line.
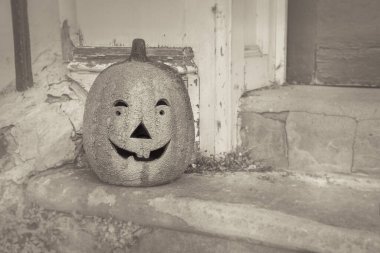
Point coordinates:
pixel 138 52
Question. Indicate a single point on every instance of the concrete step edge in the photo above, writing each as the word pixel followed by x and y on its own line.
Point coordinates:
pixel 360 182
pixel 78 190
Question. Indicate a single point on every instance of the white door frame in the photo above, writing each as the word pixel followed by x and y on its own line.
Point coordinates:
pixel 281 21
pixel 229 63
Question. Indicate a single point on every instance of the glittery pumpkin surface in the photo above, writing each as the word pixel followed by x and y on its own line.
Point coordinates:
pixel 138 125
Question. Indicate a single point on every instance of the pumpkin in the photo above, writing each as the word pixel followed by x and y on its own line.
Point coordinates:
pixel 138 127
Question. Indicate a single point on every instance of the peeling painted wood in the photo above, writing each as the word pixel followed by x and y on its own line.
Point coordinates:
pixel 223 107
pixel 117 52
pixel 96 59
pixel 192 83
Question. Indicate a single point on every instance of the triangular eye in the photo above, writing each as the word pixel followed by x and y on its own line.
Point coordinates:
pixel 162 102
pixel 120 103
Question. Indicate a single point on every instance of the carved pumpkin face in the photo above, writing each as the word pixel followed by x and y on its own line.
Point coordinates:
pixel 138 125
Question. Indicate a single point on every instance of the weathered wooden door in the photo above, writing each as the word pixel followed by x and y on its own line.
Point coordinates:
pixel 335 43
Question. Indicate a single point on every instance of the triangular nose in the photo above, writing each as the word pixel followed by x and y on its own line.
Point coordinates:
pixel 141 132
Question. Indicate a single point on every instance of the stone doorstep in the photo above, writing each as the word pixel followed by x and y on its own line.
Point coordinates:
pixel 171 241
pixel 269 209
pixel 358 103
pixel 313 128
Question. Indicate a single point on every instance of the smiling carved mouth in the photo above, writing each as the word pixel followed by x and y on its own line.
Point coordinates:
pixel 153 155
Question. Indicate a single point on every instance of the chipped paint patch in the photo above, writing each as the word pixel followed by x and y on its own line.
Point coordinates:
pixel 100 196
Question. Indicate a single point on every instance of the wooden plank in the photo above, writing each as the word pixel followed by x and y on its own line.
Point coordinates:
pixel 201 35
pixel 348 43
pixel 281 20
pixel 223 116
pixel 192 84
pixel 96 59
pixel 263 25
pixel 238 53
pixel 90 53
pixel 21 38
pixel 339 64
pixel 182 67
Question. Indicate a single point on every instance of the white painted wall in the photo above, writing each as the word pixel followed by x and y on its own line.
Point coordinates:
pixel 44 28
pixel 106 22
pixel 258 40
pixel 7 71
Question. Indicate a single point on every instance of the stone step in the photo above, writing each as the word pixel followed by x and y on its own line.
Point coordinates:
pixel 171 241
pixel 313 128
pixel 277 209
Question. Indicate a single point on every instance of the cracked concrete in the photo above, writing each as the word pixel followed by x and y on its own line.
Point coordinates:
pixel 280 116
pixel 286 142
pixel 326 129
pixel 353 146
pixel 265 138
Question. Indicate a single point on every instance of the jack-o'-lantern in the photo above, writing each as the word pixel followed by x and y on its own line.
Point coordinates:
pixel 138 127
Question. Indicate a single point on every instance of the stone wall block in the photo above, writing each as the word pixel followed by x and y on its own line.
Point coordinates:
pixel 264 138
pixel 320 143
